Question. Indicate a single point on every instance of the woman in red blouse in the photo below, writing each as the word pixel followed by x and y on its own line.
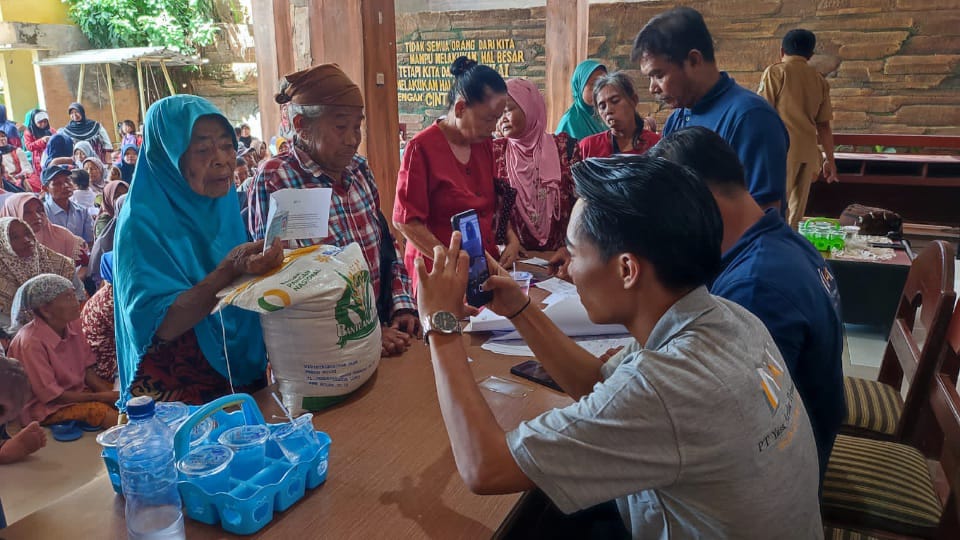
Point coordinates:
pixel 448 168
pixel 537 165
pixel 616 101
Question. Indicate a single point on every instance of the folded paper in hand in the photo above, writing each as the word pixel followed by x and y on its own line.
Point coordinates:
pixel 298 214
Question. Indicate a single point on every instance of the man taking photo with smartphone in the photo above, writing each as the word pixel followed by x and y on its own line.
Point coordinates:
pixel 698 431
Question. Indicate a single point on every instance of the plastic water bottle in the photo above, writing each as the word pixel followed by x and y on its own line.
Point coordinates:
pixel 148 475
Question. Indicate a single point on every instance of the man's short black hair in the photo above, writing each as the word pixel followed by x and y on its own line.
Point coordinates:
pixel 674 34
pixel 654 209
pixel 799 42
pixel 707 154
pixel 81 178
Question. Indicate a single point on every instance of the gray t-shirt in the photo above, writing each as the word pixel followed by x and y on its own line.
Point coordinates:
pixel 701 434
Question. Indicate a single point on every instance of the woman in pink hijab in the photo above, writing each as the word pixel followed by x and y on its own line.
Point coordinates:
pixel 29 208
pixel 537 164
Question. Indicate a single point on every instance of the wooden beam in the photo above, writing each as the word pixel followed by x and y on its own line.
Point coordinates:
pixel 113 103
pixel 166 76
pixel 336 36
pixel 568 26
pixel 283 35
pixel 143 100
pixel 83 70
pixel 380 95
pixel 265 37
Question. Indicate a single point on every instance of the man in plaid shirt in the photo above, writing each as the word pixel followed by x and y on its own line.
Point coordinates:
pixel 327 111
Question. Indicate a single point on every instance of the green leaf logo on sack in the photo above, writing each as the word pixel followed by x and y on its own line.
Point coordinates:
pixel 274 300
pixel 356 318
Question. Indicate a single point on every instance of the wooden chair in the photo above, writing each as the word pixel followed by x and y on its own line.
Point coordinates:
pixel 886 486
pixel 875 409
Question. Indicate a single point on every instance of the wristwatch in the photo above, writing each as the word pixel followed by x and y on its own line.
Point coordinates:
pixel 441 322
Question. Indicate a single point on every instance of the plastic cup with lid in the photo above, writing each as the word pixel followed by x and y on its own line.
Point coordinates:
pixel 297 440
pixel 172 413
pixel 523 280
pixel 249 445
pixel 207 467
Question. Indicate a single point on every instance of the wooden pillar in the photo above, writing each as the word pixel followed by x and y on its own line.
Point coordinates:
pixel 360 36
pixel 568 29
pixel 268 25
pixel 379 85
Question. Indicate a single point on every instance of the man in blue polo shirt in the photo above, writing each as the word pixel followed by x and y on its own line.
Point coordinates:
pixel 675 50
pixel 776 274
pixel 62 211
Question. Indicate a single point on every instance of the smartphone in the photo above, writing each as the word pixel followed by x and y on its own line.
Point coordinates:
pixel 472 242
pixel 533 371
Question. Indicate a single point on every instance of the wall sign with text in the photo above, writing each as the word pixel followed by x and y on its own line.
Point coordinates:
pixel 423 67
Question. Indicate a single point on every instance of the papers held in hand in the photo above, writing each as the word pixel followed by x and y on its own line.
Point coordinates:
pixel 298 214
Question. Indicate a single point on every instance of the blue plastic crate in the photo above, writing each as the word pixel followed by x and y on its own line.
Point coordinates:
pixel 249 504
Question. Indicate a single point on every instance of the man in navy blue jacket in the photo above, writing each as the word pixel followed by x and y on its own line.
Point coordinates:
pixel 776 274
pixel 675 50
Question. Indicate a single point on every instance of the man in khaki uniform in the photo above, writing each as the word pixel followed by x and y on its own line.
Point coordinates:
pixel 802 98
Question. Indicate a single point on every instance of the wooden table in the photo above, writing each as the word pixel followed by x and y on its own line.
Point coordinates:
pixel 392 472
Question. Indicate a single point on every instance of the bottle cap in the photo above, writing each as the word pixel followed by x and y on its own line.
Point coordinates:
pixel 140 406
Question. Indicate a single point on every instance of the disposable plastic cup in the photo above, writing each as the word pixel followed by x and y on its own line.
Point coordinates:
pixel 108 440
pixel 200 432
pixel 297 440
pixel 523 280
pixel 207 467
pixel 172 413
pixel 249 444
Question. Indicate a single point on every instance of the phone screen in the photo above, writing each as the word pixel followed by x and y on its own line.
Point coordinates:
pixel 469 226
pixel 533 371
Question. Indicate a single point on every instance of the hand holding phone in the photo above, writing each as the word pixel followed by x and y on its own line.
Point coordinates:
pixel 472 242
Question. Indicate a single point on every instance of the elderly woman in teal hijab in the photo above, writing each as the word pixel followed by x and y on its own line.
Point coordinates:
pixel 179 240
pixel 581 119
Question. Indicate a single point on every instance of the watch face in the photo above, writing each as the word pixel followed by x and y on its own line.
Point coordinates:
pixel 444 321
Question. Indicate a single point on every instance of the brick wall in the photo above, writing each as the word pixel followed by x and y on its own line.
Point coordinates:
pixel 526 27
pixel 893 65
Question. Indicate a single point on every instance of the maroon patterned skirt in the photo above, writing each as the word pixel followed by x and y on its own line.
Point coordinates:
pixel 177 371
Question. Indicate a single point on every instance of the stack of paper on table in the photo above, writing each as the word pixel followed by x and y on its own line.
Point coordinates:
pixel 595 345
pixel 565 310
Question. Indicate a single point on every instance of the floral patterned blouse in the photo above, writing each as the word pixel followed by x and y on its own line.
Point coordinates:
pixel 569 154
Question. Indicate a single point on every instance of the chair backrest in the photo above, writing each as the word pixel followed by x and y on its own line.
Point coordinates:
pixel 945 403
pixel 950 361
pixel 929 289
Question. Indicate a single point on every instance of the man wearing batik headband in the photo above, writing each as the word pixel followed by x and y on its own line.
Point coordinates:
pixel 326 110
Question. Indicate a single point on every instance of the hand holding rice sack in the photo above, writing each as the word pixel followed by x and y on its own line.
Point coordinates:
pixel 320 323
pixel 179 240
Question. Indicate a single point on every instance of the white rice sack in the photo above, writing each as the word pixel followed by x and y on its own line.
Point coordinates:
pixel 320 323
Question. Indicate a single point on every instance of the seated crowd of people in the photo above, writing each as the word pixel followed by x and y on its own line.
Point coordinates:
pixel 717 421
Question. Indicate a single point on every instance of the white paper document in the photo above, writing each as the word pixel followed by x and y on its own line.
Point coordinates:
pixel 567 313
pixel 556 286
pixel 298 214
pixel 537 261
pixel 595 345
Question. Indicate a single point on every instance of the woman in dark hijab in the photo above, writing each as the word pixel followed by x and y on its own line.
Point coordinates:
pixel 10 128
pixel 59 146
pixel 82 129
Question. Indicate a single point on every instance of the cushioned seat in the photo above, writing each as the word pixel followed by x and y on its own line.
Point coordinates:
pixel 833 533
pixel 880 485
pixel 872 406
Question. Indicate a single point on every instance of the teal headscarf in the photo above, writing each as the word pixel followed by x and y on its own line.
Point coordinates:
pixel 580 119
pixel 168 239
